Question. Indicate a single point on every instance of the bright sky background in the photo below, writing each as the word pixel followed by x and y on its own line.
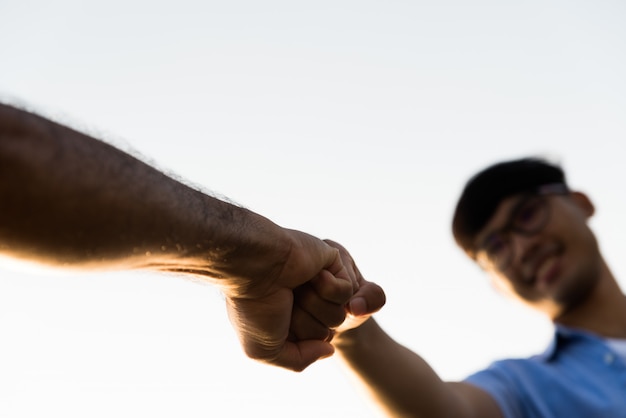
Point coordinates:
pixel 358 121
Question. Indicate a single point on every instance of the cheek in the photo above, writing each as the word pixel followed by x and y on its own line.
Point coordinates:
pixel 582 257
pixel 580 241
pixel 571 227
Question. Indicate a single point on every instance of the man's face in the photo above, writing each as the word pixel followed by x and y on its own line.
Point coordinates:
pixel 540 250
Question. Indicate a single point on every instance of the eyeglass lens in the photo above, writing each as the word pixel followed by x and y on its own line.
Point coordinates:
pixel 527 219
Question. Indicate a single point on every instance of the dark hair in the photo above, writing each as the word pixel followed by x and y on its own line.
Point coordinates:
pixel 484 192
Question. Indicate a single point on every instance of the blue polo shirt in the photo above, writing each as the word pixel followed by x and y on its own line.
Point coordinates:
pixel 578 376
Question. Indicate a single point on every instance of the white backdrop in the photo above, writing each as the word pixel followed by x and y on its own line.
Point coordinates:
pixel 358 121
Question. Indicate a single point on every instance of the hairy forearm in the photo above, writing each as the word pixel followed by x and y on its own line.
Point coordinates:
pixel 400 381
pixel 70 200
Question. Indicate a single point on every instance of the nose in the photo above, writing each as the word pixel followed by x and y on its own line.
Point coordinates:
pixel 523 246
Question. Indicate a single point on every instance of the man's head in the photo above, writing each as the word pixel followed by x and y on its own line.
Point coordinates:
pixel 485 191
pixel 521 222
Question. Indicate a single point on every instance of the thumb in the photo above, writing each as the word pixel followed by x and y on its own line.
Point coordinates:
pixel 297 356
pixel 369 299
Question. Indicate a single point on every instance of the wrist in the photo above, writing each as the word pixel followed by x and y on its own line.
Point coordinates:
pixel 356 337
pixel 237 249
pixel 254 257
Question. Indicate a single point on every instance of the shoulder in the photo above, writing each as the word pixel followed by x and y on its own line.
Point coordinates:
pixel 514 384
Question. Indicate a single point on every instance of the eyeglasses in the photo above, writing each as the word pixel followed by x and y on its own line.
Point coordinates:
pixel 527 218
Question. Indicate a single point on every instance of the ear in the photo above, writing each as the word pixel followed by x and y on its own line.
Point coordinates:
pixel 584 203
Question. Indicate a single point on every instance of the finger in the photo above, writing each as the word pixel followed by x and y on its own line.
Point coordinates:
pixel 369 299
pixel 297 356
pixel 318 308
pixel 341 266
pixel 331 289
pixel 307 256
pixel 348 267
pixel 305 327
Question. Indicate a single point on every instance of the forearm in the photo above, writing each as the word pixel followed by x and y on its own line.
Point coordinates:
pixel 70 200
pixel 399 380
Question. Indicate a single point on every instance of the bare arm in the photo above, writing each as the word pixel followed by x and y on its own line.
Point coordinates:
pixel 71 201
pixel 402 383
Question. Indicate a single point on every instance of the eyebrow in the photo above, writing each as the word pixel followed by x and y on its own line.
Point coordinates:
pixel 515 207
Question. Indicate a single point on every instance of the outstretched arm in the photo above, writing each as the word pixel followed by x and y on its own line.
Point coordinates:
pixel 401 382
pixel 72 201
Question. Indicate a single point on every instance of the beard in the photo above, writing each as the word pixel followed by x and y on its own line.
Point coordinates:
pixel 581 285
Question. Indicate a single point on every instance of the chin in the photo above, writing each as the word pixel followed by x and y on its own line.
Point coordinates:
pixel 574 295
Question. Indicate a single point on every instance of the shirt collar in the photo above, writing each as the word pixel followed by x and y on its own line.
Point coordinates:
pixel 562 335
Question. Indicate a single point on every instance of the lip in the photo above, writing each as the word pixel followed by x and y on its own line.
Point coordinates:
pixel 547 271
pixel 544 265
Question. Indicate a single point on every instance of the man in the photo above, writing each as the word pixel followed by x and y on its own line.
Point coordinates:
pixel 519 221
pixel 71 201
